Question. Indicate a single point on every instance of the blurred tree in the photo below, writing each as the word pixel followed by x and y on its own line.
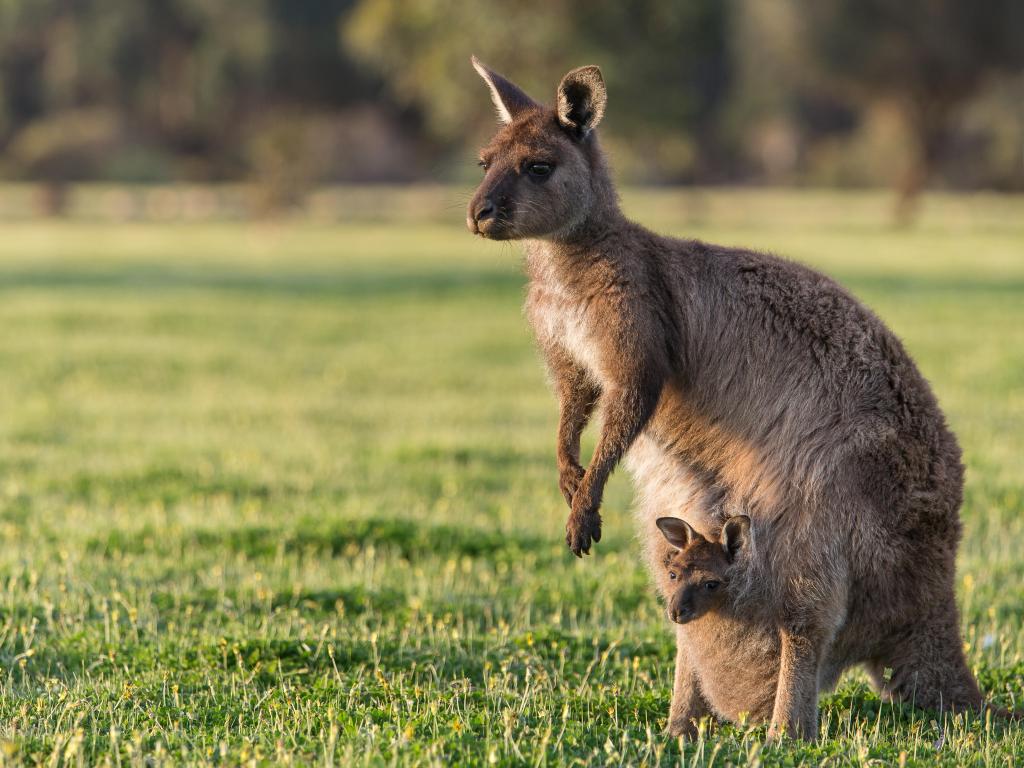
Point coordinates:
pixel 178 87
pixel 928 56
pixel 421 49
pixel 307 63
pixel 669 66
pixel 293 93
pixel 312 96
pixel 85 82
pixel 666 64
pixel 760 122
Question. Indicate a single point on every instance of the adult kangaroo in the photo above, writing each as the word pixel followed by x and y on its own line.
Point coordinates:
pixel 734 382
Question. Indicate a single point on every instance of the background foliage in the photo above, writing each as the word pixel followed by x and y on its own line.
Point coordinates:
pixel 299 92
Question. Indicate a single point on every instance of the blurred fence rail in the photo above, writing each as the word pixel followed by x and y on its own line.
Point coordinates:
pixel 669 209
pixel 206 202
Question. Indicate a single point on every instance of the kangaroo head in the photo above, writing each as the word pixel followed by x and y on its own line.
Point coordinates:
pixel 539 168
pixel 699 569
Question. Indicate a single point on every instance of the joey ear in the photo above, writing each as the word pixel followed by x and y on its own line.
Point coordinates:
pixel 677 532
pixel 581 100
pixel 735 534
pixel 509 99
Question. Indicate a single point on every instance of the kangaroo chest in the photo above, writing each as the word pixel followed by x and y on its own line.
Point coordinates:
pixel 561 320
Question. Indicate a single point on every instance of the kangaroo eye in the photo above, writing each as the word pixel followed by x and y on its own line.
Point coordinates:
pixel 711 586
pixel 672 575
pixel 484 164
pixel 539 170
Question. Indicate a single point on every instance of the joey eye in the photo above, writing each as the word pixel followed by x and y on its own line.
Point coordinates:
pixel 711 586
pixel 484 164
pixel 539 170
pixel 672 575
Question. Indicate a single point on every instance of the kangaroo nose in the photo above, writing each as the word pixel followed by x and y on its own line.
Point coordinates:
pixel 485 210
pixel 681 613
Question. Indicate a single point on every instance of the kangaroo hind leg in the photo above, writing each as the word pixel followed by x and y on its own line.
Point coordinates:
pixel 928 668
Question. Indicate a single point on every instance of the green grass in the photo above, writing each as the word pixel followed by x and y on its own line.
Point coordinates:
pixel 286 492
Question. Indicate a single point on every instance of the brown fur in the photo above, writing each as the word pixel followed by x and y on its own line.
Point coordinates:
pixel 736 382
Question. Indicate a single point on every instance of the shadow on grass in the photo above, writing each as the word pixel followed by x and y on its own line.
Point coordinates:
pixel 897 286
pixel 857 709
pixel 409 538
pixel 324 284
pixel 435 282
pixel 169 485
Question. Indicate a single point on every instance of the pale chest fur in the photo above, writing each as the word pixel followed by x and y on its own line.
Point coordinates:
pixel 560 319
pixel 664 485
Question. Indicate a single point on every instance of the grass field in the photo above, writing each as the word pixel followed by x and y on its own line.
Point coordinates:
pixel 286 493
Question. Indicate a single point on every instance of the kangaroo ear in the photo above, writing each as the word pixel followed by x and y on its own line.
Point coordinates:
pixel 508 99
pixel 735 535
pixel 678 532
pixel 581 99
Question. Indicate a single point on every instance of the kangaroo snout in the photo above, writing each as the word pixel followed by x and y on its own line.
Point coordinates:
pixel 482 216
pixel 680 615
pixel 681 611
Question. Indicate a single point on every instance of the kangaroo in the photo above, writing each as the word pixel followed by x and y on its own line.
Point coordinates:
pixel 736 662
pixel 734 381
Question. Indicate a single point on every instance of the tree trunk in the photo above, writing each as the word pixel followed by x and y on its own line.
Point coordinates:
pixel 908 194
pixel 53 199
pixel 927 120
